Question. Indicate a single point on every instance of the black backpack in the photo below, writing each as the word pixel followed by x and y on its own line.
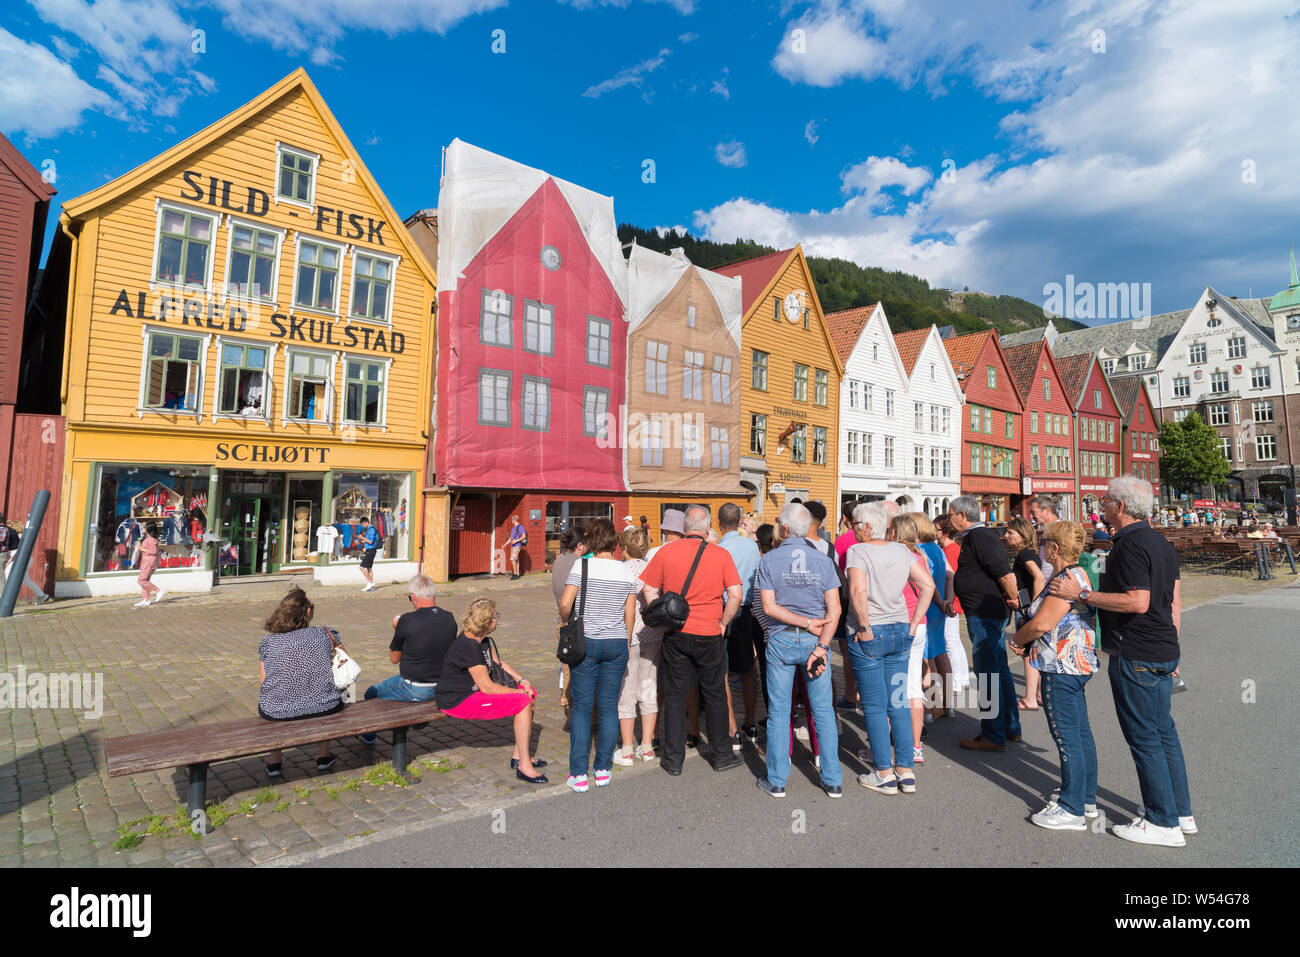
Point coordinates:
pixel 670 610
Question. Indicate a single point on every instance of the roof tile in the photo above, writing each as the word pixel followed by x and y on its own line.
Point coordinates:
pixel 909 343
pixel 846 328
pixel 755 274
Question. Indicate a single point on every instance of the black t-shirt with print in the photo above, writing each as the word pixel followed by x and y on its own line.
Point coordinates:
pixel 456 685
pixel 423 637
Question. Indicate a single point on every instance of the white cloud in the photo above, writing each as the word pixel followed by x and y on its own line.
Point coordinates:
pixel 1118 166
pixel 731 153
pixel 686 7
pixel 810 133
pixel 39 93
pixel 687 37
pixel 720 85
pixel 629 76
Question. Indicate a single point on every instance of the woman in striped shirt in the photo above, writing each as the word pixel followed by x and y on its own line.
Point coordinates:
pixel 608 616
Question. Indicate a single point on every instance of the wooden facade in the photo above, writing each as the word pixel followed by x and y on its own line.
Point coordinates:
pixel 991 423
pixel 1047 433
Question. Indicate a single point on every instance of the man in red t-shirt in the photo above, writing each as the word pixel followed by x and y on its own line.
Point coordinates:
pixel 699 647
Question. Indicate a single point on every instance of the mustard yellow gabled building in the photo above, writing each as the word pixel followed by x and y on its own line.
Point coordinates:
pixel 790 376
pixel 248 359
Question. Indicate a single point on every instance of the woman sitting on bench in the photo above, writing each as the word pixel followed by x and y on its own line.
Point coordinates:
pixel 467 691
pixel 297 677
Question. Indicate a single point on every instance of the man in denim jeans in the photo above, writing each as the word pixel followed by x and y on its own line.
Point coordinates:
pixel 800 594
pixel 1141 613
pixel 986 587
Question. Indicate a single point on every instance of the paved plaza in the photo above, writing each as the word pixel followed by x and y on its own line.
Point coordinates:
pixel 193 660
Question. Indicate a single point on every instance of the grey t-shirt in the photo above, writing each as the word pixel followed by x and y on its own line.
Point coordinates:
pixel 887 567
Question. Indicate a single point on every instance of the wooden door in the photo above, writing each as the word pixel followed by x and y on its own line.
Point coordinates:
pixel 471 546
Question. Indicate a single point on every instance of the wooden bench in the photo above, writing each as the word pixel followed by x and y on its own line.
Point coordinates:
pixel 197 747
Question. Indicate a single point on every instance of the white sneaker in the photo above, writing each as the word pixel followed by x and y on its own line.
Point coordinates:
pixel 369 587
pixel 622 758
pixel 141 604
pixel 578 782
pixel 1142 831
pixel 162 593
pixel 1056 818
pixel 1089 810
pixel 1185 824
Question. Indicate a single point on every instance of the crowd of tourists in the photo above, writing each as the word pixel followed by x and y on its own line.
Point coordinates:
pixel 765 603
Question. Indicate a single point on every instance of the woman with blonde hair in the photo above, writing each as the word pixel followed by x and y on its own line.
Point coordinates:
pixel 466 689
pixel 903 529
pixel 1059 642
pixel 641 679
pixel 1020 535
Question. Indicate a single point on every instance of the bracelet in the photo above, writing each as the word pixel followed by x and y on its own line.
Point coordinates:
pixel 823 647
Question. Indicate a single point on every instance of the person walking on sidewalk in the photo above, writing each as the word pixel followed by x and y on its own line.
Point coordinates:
pixel 370 538
pixel 9 541
pixel 515 543
pixel 799 592
pixel 148 565
pixel 1141 614
pixel 699 647
pixel 986 586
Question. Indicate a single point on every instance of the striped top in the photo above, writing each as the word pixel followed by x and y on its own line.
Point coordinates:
pixel 608 585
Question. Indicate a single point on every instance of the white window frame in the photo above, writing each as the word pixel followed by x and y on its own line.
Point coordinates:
pixel 659 363
pixel 851 448
pixel 720 447
pixel 1219 414
pixel 180 288
pixel 652 442
pixel 328 419
pixel 866 448
pixel 274 298
pixel 1182 386
pixel 341 249
pixel 918 417
pixel 543 308
pixel 594 322
pixel 1225 447
pixel 721 376
pixel 693 375
pixel 394 261
pixel 523 402
pixel 268 377
pixel 1214 380
pixel 282 148
pixel 478 399
pixel 382 424
pixel 497 296
pixel 692 453
pixel 889 452
pixel 1259 406
pixel 206 340
pixel 601 415
pixel 1192 353
pixel 1237 343
pixel 1258 373
pixel 1259 443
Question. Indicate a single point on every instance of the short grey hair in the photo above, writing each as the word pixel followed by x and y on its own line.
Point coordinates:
pixel 422 586
pixel 1135 494
pixel 1049 502
pixel 875 516
pixel 697 519
pixel 966 505
pixel 795 519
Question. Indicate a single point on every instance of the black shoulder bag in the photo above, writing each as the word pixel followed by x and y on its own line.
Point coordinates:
pixel 495 669
pixel 670 610
pixel 573 642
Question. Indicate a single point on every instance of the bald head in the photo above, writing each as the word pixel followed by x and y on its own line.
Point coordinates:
pixel 697 519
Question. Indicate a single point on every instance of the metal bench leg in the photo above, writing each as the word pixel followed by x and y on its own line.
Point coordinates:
pixel 198 799
pixel 399 749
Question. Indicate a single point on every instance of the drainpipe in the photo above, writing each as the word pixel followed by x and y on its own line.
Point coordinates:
pixel 65 221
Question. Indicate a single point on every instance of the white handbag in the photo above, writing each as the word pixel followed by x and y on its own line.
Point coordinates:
pixel 345 669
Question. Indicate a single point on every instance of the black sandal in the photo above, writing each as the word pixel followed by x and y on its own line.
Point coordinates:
pixel 537 763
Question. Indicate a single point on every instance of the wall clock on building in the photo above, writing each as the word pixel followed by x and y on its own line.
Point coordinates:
pixel 793 307
pixel 1293 322
pixel 551 258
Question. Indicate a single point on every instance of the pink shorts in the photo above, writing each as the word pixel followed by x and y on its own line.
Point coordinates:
pixel 485 707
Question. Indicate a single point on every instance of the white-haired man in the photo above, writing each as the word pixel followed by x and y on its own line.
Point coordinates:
pixel 699 648
pixel 1141 614
pixel 800 594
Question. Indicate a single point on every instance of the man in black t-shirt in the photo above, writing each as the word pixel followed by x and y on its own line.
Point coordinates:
pixel 986 587
pixel 421 638
pixel 1141 614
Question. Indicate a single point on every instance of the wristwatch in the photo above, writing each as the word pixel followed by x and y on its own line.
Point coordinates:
pixel 1085 594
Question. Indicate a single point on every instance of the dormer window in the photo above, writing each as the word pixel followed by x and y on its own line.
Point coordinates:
pixel 1108 365
pixel 295 179
pixel 1137 362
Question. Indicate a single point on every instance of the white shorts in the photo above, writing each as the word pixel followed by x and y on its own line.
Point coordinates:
pixel 914 658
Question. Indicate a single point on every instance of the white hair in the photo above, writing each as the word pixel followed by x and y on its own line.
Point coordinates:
pixel 875 516
pixel 966 505
pixel 795 519
pixel 697 519
pixel 422 586
pixel 1135 494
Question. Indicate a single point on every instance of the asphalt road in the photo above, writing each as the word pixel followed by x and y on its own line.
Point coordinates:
pixel 1237 723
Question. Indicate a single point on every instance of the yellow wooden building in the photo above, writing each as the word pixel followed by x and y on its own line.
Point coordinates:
pixel 248 359
pixel 790 375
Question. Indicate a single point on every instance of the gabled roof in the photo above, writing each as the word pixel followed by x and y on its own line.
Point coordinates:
pixel 964 350
pixel 24 171
pixel 757 274
pixel 846 328
pixel 653 275
pixel 1125 391
pixel 1023 363
pixel 298 80
pixel 909 343
pixel 1074 372
pixel 1023 336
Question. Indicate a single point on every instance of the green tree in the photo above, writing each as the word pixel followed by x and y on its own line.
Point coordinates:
pixel 1190 455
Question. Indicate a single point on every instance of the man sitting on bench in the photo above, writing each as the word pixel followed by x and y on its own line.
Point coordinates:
pixel 421 638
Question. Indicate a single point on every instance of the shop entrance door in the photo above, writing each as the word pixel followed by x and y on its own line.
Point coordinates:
pixel 251 526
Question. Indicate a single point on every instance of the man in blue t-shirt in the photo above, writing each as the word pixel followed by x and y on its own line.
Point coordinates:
pixel 370 537
pixel 799 594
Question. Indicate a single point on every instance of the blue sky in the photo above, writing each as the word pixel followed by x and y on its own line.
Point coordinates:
pixel 1128 141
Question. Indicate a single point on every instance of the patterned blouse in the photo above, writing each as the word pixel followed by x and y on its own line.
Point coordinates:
pixel 299 674
pixel 1070 647
pixel 641 632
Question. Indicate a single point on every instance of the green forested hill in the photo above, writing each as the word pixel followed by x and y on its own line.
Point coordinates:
pixel 909 301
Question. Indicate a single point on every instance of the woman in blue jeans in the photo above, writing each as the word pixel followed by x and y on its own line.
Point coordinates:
pixel 1060 642
pixel 880 639
pixel 608 610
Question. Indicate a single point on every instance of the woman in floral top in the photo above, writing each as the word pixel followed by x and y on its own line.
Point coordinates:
pixel 1060 641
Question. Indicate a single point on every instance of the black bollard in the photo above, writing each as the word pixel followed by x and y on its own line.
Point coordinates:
pixel 25 548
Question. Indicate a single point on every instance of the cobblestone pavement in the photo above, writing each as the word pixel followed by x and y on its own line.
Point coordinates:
pixel 193 660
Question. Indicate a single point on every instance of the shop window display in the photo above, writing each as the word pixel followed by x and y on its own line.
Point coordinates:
pixel 130 497
pixel 381 497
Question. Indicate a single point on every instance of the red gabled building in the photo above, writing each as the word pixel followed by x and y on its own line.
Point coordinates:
pixel 532 354
pixel 1098 427
pixel 991 423
pixel 1047 442
pixel 1140 445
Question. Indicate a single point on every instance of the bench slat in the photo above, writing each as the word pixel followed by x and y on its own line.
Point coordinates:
pixel 179 747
